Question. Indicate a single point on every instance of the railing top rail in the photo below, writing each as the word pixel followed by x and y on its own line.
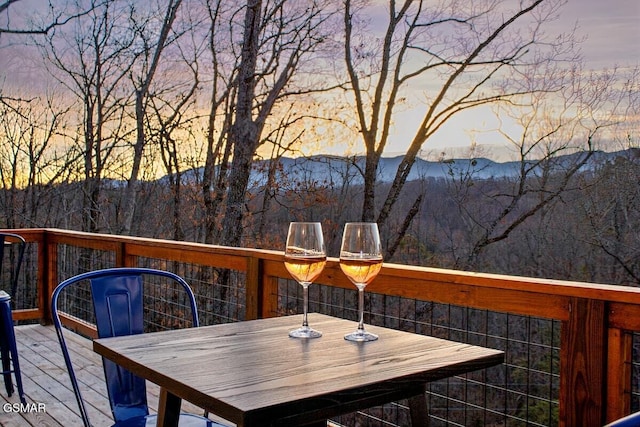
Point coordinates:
pixel 599 291
pixel 410 275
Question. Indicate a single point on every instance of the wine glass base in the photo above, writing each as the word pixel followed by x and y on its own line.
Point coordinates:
pixel 361 336
pixel 305 332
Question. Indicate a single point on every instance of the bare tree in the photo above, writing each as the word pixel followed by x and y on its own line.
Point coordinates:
pixel 224 68
pixel 555 140
pixel 153 47
pixel 244 134
pixel 280 34
pixel 29 164
pixel 172 128
pixel 58 19
pixel 92 59
pixel 610 208
pixel 281 143
pixel 466 51
pixel 611 217
pixel 5 5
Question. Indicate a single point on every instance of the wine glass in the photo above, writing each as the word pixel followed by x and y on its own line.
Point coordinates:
pixel 304 258
pixel 361 261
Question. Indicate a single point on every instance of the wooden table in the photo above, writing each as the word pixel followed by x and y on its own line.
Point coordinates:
pixel 252 374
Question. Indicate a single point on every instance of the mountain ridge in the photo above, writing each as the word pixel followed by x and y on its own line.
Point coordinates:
pixel 337 170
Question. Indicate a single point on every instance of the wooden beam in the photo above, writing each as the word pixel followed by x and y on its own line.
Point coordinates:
pixel 583 365
pixel 620 345
pixel 253 288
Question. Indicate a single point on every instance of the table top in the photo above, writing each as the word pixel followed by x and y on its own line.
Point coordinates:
pixel 252 371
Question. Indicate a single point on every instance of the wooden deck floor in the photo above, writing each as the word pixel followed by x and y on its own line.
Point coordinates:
pixel 46 383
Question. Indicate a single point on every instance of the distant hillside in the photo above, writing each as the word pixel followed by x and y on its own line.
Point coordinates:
pixel 334 170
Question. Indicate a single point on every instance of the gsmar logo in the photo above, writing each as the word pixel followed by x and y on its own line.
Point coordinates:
pixel 24 407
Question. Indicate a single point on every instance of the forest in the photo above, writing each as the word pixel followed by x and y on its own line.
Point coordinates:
pixel 589 234
pixel 177 119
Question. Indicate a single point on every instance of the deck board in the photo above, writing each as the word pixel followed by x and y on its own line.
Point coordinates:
pixel 46 382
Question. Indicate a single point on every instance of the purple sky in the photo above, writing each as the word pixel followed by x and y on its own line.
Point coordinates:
pixel 612 29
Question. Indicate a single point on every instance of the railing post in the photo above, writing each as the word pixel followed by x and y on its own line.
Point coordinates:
pixel 583 364
pixel 253 288
pixel 269 296
pixel 48 274
pixel 123 258
pixel 619 374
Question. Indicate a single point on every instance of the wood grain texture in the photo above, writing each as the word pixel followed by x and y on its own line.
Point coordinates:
pixel 252 373
pixel 619 381
pixel 46 382
pixel 583 365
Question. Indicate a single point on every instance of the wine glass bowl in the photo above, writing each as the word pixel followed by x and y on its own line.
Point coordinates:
pixel 305 268
pixel 304 258
pixel 360 271
pixel 361 261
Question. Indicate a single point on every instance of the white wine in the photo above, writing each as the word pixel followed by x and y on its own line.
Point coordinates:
pixel 305 269
pixel 361 271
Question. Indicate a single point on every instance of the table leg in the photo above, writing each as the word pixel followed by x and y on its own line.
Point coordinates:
pixel 419 410
pixel 168 409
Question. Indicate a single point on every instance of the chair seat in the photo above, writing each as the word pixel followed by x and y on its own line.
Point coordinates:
pixel 632 420
pixel 186 420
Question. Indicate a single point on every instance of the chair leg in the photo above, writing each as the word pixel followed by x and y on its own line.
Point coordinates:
pixel 16 368
pixel 9 350
pixel 6 363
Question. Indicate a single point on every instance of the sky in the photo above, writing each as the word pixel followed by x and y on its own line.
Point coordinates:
pixel 611 32
pixel 611 28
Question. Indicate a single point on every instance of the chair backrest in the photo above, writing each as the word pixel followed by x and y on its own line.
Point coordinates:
pixel 117 296
pixel 18 243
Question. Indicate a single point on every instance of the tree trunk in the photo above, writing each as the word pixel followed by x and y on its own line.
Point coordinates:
pixel 244 133
pixel 129 204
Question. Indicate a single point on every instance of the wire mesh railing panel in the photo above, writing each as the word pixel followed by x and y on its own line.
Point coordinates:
pixel 523 391
pixel 77 303
pixel 27 290
pixel 220 293
pixel 635 373
pixel 74 260
pixel 166 305
pixel 71 261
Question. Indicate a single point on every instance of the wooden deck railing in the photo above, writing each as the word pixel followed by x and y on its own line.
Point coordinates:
pixel 597 320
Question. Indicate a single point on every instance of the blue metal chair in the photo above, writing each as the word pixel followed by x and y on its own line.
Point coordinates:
pixel 117 297
pixel 8 347
pixel 632 420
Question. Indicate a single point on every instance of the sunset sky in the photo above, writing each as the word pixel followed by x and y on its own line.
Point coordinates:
pixel 611 31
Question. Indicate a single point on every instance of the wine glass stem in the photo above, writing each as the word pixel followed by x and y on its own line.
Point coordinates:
pixel 305 303
pixel 360 308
